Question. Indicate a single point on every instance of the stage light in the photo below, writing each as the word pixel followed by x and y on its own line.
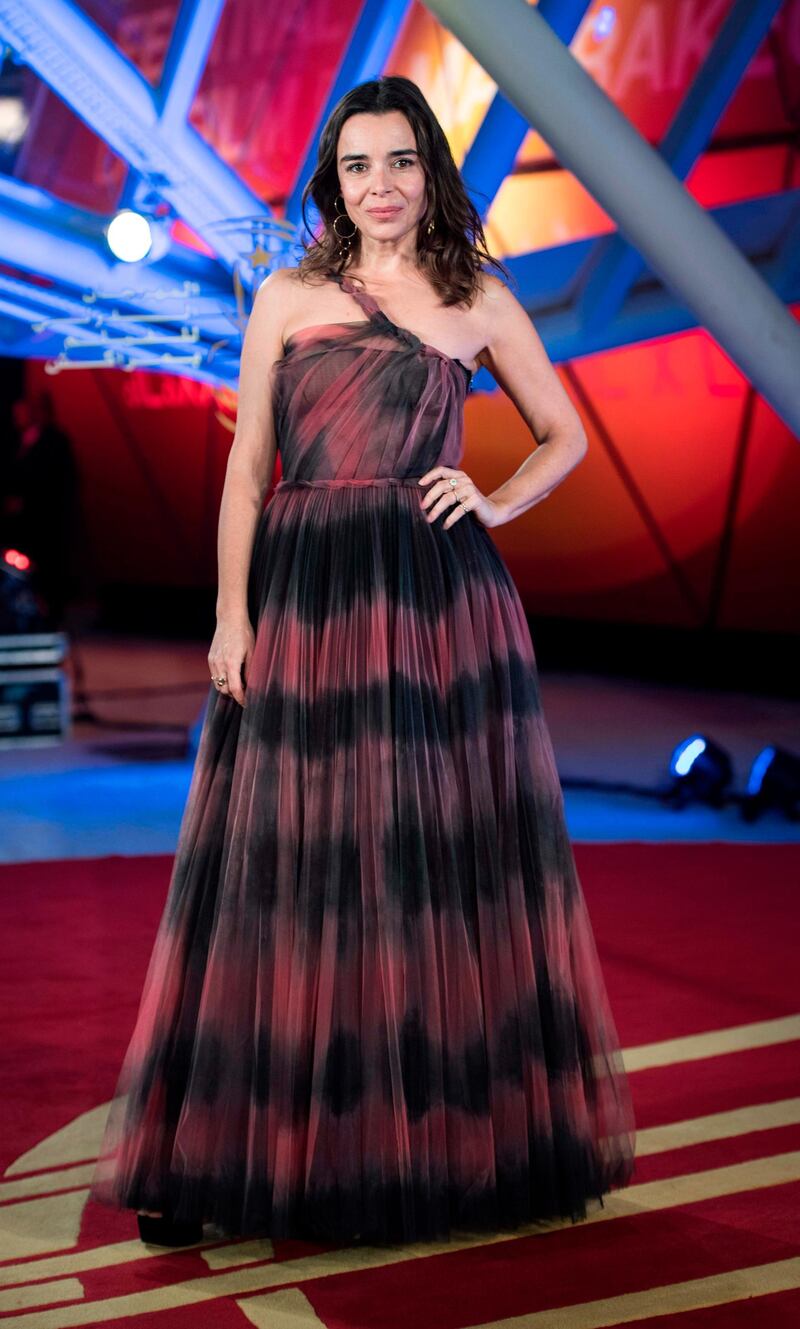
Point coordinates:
pixel 13 121
pixel 774 782
pixel 21 607
pixel 16 559
pixel 129 236
pixel 701 771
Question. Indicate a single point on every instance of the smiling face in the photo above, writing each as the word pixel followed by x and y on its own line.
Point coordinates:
pixel 379 168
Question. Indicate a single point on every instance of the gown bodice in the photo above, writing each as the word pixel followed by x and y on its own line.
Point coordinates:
pixel 365 400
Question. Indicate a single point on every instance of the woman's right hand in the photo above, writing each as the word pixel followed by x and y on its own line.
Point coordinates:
pixel 229 656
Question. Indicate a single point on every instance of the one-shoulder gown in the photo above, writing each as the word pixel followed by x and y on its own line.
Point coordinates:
pixel 374 1008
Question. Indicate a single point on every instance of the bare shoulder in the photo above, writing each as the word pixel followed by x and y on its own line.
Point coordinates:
pixel 495 301
pixel 490 287
pixel 276 288
pixel 271 309
pixel 274 303
pixel 286 296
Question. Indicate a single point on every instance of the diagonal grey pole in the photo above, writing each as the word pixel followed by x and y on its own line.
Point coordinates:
pixel 694 258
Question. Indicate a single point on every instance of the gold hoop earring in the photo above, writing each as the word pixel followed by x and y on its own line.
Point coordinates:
pixel 339 216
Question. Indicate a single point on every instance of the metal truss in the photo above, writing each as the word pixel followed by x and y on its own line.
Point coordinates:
pixel 584 296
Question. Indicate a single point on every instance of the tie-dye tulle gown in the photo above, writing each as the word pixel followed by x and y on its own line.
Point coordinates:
pixel 374 1006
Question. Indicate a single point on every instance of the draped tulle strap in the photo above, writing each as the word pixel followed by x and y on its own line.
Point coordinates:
pixel 367 302
pixel 373 310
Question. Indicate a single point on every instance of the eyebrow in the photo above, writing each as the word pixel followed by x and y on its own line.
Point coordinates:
pixel 395 152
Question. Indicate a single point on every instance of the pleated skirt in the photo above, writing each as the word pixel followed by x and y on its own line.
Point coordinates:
pixel 374 1009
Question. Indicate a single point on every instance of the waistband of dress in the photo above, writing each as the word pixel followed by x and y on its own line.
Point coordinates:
pixel 380 480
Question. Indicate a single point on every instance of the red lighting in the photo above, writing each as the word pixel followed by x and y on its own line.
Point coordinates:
pixel 16 559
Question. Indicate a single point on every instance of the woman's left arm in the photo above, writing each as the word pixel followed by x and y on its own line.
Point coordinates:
pixel 517 360
pixel 515 356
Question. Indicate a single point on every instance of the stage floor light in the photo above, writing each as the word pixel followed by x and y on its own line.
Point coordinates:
pixel 774 782
pixel 701 772
pixel 21 607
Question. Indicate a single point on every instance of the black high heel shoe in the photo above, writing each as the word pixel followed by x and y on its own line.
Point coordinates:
pixel 164 1231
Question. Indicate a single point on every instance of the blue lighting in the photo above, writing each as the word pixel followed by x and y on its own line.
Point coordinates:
pixel 701 771
pixel 759 769
pixel 686 754
pixel 774 784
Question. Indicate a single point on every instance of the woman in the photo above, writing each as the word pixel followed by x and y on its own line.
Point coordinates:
pixel 374 1009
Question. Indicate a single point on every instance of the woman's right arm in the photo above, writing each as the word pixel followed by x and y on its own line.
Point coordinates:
pixel 247 477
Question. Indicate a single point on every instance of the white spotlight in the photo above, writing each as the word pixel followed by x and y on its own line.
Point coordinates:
pixel 129 236
pixel 13 121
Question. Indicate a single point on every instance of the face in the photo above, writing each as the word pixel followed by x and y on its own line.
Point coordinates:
pixel 379 168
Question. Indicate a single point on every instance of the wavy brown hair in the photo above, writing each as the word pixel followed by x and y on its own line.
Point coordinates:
pixel 453 254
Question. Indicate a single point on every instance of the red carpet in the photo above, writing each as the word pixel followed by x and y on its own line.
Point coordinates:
pixel 699 944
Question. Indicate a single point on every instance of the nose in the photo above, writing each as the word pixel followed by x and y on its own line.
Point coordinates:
pixel 382 182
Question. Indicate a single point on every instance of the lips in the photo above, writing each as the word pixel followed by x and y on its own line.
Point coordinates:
pixel 382 212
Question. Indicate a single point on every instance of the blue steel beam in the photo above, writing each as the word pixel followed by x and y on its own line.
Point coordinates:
pixel 765 229
pixel 502 132
pixel 190 43
pixel 633 183
pixel 545 283
pixel 375 33
pixel 545 280
pixel 34 310
pixel 615 264
pixel 85 69
pixel 785 268
pixel 41 235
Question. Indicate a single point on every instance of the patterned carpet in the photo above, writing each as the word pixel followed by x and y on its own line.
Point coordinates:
pixel 699 948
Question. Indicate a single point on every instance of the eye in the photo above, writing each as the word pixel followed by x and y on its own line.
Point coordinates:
pixel 399 161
